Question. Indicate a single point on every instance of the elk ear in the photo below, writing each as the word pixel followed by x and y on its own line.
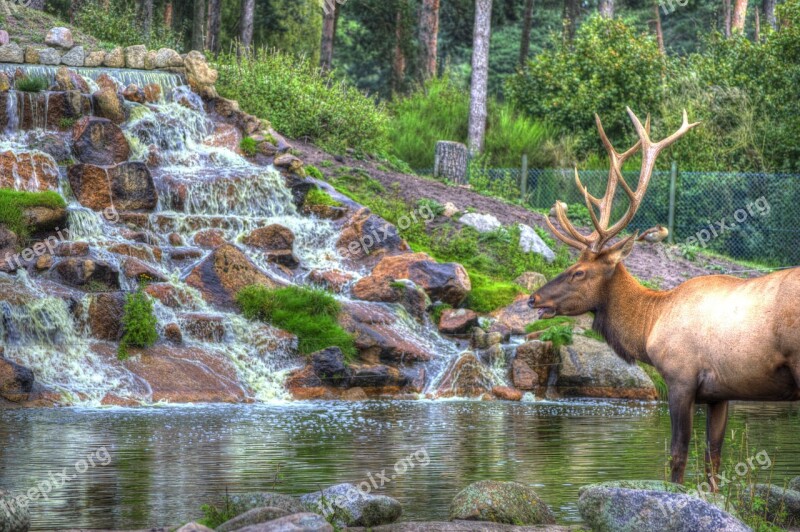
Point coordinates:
pixel 619 251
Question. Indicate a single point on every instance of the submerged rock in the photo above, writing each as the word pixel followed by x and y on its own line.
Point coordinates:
pixel 500 502
pixel 13 517
pixel 466 377
pixel 347 505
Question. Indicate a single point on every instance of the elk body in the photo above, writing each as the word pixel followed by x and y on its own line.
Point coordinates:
pixel 714 339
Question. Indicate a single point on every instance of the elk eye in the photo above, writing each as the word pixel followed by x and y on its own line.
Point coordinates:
pixel 580 274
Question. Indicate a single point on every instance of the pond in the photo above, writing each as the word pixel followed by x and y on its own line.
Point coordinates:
pixel 163 463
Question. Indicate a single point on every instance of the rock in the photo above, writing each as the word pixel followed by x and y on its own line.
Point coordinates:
pixel 3 37
pixel 8 239
pixel 166 57
pixel 152 92
pixel 74 57
pixel 94 59
pixel 302 522
pixel 531 281
pixel 108 104
pixel 348 505
pixel 59 36
pixel 11 53
pixel 105 316
pixel 5 86
pixel 173 333
pixel 194 527
pixel 53 144
pixel 204 327
pixel 138 270
pixel 780 506
pixel 795 484
pixel 274 237
pixel 69 80
pixel 376 336
pixel 248 501
pixel 104 81
pixel 457 321
pixel 354 394
pixel 17 518
pixel 256 516
pixel 134 56
pixel 378 376
pixel 150 60
pixel 28 171
pixel 515 317
pixel 330 367
pixel 133 93
pixel 99 141
pixel 49 56
pixel 620 509
pixel 115 58
pixel 125 186
pixel 16 383
pixel 500 502
pixel 590 368
pixel 450 210
pixel 447 282
pixel 366 238
pixel 223 273
pixel 87 274
pixel 210 238
pixel 531 242
pixel 523 377
pixel 200 76
pixel 288 161
pixel 483 223
pixel 332 280
pixel 507 394
pixel 483 340
pixel 466 377
pixel 538 357
pixel 299 187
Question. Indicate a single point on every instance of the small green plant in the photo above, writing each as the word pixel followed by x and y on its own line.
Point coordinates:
pixel 558 335
pixel 317 196
pixel 431 204
pixel 311 315
pixel 66 122
pixel 31 84
pixel 326 163
pixel 314 172
pixel 437 311
pixel 13 204
pixel 249 146
pixel 138 323
pixel 213 517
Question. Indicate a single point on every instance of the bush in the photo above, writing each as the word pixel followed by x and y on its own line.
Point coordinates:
pixel 558 335
pixel 311 315
pixel 248 146
pixel 31 84
pixel 118 23
pixel 432 205
pixel 302 102
pixel 13 203
pixel 138 323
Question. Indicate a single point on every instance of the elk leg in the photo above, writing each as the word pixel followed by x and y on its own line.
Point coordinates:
pixel 681 410
pixel 716 421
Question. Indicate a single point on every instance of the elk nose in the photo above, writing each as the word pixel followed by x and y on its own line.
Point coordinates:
pixel 534 299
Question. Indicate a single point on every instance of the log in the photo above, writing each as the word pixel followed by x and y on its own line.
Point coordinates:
pixel 451 161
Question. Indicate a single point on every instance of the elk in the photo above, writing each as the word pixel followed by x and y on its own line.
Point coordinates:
pixel 714 338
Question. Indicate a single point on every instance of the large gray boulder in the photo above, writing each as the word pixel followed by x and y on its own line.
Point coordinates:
pixel 74 57
pixel 717 499
pixel 59 36
pixel 346 505
pixel 531 242
pixel 13 516
pixel 794 484
pixel 500 502
pixel 11 53
pixel 608 509
pixel 482 223
pixel 780 506
pixel 247 501
pixel 302 522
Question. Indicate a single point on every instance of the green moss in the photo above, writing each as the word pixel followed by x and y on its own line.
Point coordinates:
pixel 487 294
pixel 541 325
pixel 309 314
pixel 31 84
pixel 658 380
pixel 314 172
pixel 138 323
pixel 318 196
pixel 248 146
pixel 13 204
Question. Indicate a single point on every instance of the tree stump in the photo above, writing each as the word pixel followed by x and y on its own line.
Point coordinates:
pixel 451 161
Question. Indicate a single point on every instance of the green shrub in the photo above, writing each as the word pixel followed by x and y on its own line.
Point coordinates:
pixel 488 294
pixel 431 204
pixel 317 196
pixel 558 335
pixel 13 204
pixel 248 146
pixel 311 315
pixel 138 323
pixel 314 172
pixel 118 23
pixel 302 102
pixel 31 84
pixel 541 325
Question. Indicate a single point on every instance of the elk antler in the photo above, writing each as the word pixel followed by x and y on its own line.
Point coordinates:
pixel 602 232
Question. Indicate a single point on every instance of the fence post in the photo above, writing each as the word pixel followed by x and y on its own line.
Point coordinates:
pixel 523 182
pixel 673 178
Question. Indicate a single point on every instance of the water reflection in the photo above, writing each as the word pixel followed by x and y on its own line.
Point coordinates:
pixel 166 462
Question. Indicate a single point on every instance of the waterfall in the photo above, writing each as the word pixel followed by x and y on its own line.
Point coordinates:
pixel 166 80
pixel 11 113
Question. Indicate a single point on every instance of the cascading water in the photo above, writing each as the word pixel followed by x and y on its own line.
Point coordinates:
pixel 166 80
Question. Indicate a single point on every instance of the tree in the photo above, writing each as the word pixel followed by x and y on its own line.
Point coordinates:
pixel 429 37
pixel 572 10
pixel 330 22
pixel 606 8
pixel 399 61
pixel 726 15
pixel 214 25
pixel 480 75
pixel 657 27
pixel 739 15
pixel 246 23
pixel 198 25
pixel 769 13
pixel 525 42
pixel 147 18
pixel 168 11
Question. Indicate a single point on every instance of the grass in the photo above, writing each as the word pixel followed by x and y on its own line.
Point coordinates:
pixel 541 325
pixel 558 335
pixel 311 315
pixel 66 122
pixel 139 323
pixel 437 311
pixel 213 517
pixel 314 172
pixel 488 294
pixel 658 381
pixel 31 84
pixel 248 146
pixel 317 196
pixel 13 204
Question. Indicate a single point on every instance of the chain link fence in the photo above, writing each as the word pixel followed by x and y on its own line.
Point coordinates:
pixel 746 216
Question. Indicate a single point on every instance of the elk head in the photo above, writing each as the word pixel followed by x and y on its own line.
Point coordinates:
pixel 584 286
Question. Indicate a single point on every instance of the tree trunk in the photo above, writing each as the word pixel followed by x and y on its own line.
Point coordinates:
pixel 329 23
pixel 199 25
pixel 480 75
pixel 399 62
pixel 525 43
pixel 214 24
pixel 757 34
pixel 769 14
pixel 246 23
pixel 572 10
pixel 451 161
pixel 606 8
pixel 726 14
pixel 168 15
pixel 739 15
pixel 147 18
pixel 658 29
pixel 429 37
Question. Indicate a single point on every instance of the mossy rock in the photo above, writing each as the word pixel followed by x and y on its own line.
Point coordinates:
pixel 715 499
pixel 500 502
pixel 248 501
pixel 256 516
pixel 794 484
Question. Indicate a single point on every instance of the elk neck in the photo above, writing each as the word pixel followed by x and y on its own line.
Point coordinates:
pixel 627 315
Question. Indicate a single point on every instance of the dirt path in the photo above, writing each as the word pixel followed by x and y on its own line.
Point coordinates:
pixel 649 262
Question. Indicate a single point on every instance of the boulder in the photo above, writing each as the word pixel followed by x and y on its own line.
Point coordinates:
pixel 515 317
pixel 41 219
pixel 537 357
pixel 531 281
pixel 256 516
pixel 794 484
pixel 3 37
pixel 140 271
pixel 366 238
pixel 500 502
pixel 59 36
pixel 17 518
pixel 16 383
pixel 621 509
pixel 346 505
pixel 87 274
pixel 126 186
pixel 507 394
pixel 108 104
pixel 134 56
pixel 210 238
pixel 466 377
pixel 450 210
pixel 780 506
pixel 330 367
pixel 150 60
pixel 5 85
pixel 104 81
pixel 483 223
pixel 53 144
pixel 152 92
pixel 49 56
pixel 28 171
pixel 457 321
pixel 377 337
pixel 247 501
pixel 288 161
pixel 302 522
pixel 11 53
pixel 447 282
pixel 99 141
pixel 94 59
pixel 590 368
pixel 105 315
pixel 133 93
pixel 331 280
pixel 8 240
pixel 203 326
pixel 531 242
pixel 223 273
pixel 274 237
pixel 167 57
pixel 194 527
pixel 200 76
pixel 74 57
pixel 523 377
pixel 115 58
pixel 378 376
pixel 69 80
